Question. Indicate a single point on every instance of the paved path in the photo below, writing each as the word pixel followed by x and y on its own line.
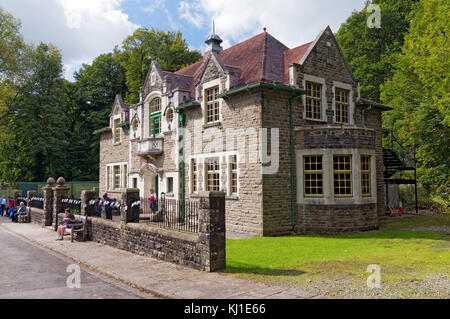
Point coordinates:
pixel 161 278
pixel 28 271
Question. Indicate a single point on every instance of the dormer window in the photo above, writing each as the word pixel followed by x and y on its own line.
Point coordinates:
pixel 212 105
pixel 155 116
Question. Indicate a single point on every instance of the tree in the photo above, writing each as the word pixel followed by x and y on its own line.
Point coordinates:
pixel 143 46
pixel 11 44
pixel 89 107
pixel 37 124
pixel 419 91
pixel 373 52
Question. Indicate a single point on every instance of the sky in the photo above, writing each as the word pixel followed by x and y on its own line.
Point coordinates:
pixel 84 29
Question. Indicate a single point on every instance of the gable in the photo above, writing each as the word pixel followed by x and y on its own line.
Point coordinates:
pixel 325 55
pixel 154 79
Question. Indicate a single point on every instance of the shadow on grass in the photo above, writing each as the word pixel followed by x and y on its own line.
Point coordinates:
pixel 243 268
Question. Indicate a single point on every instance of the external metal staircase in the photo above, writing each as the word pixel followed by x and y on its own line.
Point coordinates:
pixel 396 159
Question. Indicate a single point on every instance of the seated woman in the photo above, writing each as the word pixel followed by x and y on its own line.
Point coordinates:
pixel 69 219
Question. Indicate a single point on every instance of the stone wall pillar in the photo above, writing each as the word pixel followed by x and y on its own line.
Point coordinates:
pixel 59 192
pixel 211 221
pixel 86 208
pixel 129 214
pixel 48 201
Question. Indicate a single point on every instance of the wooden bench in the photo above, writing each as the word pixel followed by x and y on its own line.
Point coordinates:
pixel 80 226
pixel 24 217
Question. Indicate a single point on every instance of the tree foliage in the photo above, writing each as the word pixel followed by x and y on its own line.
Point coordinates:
pixel 419 91
pixel 138 51
pixel 372 52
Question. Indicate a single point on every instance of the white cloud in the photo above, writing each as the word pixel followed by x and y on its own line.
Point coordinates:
pixel 82 29
pixel 293 22
pixel 191 13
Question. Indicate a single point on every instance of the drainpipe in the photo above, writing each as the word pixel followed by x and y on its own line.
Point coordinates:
pixel 291 144
pixel 182 124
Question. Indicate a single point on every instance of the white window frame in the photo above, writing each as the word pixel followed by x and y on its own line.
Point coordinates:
pixel 145 121
pixel 321 81
pixel 123 180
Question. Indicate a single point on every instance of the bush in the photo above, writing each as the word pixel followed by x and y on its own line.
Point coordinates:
pixel 432 200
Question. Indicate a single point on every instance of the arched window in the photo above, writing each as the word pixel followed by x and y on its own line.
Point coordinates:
pixel 155 105
pixel 155 116
pixel 169 115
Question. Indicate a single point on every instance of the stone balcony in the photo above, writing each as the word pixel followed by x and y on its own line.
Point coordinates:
pixel 150 146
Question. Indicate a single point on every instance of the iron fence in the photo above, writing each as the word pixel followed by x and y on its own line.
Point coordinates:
pixel 171 214
pixel 37 201
pixel 73 204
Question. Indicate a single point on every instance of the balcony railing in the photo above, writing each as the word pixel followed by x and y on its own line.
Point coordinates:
pixel 150 146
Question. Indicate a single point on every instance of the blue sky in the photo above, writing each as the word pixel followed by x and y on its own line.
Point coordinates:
pixel 84 29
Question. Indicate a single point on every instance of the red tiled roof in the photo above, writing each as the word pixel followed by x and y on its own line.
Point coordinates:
pixel 261 58
pixel 294 56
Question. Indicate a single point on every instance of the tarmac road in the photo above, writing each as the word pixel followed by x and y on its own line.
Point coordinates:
pixel 31 272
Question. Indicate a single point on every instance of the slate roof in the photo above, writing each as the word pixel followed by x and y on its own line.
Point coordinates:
pixel 261 58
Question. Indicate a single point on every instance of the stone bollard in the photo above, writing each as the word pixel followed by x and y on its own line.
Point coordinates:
pixel 48 201
pixel 86 208
pixel 211 221
pixel 129 213
pixel 59 192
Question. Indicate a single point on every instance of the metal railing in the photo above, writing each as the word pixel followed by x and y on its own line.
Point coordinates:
pixel 171 214
pixel 73 204
pixel 37 201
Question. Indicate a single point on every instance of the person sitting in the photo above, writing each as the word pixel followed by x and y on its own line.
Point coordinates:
pixel 21 210
pixel 69 219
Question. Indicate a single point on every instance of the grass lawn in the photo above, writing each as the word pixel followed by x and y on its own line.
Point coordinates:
pixel 413 254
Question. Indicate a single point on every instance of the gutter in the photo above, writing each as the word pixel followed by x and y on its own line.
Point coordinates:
pixel 226 95
pixel 106 129
pixel 182 107
pixel 363 119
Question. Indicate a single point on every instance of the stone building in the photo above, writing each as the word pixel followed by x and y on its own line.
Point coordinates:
pixel 284 132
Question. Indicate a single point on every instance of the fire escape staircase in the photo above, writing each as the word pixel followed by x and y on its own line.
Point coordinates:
pixel 396 159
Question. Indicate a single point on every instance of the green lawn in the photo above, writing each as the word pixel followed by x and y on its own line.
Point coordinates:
pixel 414 258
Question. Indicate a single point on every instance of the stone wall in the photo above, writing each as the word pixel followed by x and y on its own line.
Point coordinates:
pixel 336 218
pixel 203 251
pixel 37 216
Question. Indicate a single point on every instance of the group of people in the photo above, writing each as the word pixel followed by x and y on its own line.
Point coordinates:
pixel 8 209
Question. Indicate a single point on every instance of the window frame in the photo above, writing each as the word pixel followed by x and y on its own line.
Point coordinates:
pixel 311 172
pixel 335 172
pixel 116 175
pixel 212 172
pixel 154 116
pixel 314 98
pixel 368 172
pixel 342 104
pixel 215 102
pixel 117 134
pixel 233 160
pixel 194 176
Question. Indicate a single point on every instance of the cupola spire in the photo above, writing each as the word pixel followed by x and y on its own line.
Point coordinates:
pixel 214 40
